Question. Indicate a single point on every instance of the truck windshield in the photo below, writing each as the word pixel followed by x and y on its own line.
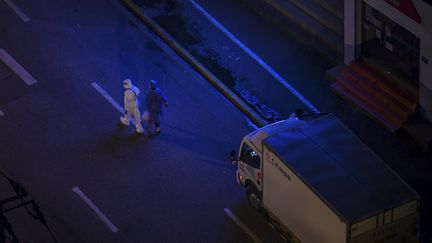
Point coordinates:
pixel 250 156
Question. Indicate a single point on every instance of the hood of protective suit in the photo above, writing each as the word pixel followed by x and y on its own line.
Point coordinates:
pixel 153 84
pixel 127 83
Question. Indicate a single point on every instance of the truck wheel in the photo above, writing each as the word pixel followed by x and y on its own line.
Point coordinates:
pixel 253 198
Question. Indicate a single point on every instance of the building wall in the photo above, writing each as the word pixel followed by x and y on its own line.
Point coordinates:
pixel 352 22
pixel 422 31
pixel 425 91
pixel 349 31
pixel 425 11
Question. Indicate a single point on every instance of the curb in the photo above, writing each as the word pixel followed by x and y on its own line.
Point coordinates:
pixel 251 114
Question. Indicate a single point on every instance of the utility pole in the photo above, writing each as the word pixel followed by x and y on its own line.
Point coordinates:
pixel 2 235
pixel 20 200
pixel 21 194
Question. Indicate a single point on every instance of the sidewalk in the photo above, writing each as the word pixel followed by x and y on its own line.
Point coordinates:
pixel 230 64
pixel 234 72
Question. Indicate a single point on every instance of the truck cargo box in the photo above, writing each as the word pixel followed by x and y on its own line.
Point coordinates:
pixel 325 185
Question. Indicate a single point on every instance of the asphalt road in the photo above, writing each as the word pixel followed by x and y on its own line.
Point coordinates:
pixel 60 137
pixel 61 133
pixel 297 63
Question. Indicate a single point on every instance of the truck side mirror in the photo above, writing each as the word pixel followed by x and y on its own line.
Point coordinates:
pixel 233 157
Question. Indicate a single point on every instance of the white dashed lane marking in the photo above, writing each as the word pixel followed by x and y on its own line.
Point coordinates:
pixel 108 97
pixel 102 216
pixel 17 68
pixel 18 11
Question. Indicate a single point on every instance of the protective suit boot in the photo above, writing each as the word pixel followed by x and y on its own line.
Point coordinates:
pixel 124 121
pixel 139 129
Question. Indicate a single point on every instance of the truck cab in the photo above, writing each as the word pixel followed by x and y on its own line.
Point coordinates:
pixel 249 158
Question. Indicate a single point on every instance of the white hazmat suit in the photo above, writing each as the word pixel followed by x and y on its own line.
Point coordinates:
pixel 131 105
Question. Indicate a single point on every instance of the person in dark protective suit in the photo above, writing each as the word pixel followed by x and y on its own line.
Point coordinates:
pixel 153 107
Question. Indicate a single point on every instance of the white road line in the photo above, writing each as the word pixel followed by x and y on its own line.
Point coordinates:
pixel 18 11
pixel 104 219
pixel 108 97
pixel 254 56
pixel 17 68
pixel 243 226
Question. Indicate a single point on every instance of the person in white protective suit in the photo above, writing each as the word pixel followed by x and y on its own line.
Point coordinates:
pixel 131 105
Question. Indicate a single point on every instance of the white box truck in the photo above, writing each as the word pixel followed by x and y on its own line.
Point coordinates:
pixel 317 182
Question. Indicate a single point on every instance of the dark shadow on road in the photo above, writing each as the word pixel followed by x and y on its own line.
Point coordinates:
pixel 199 143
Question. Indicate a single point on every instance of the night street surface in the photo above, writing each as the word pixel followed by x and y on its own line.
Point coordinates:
pixel 298 63
pixel 61 133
